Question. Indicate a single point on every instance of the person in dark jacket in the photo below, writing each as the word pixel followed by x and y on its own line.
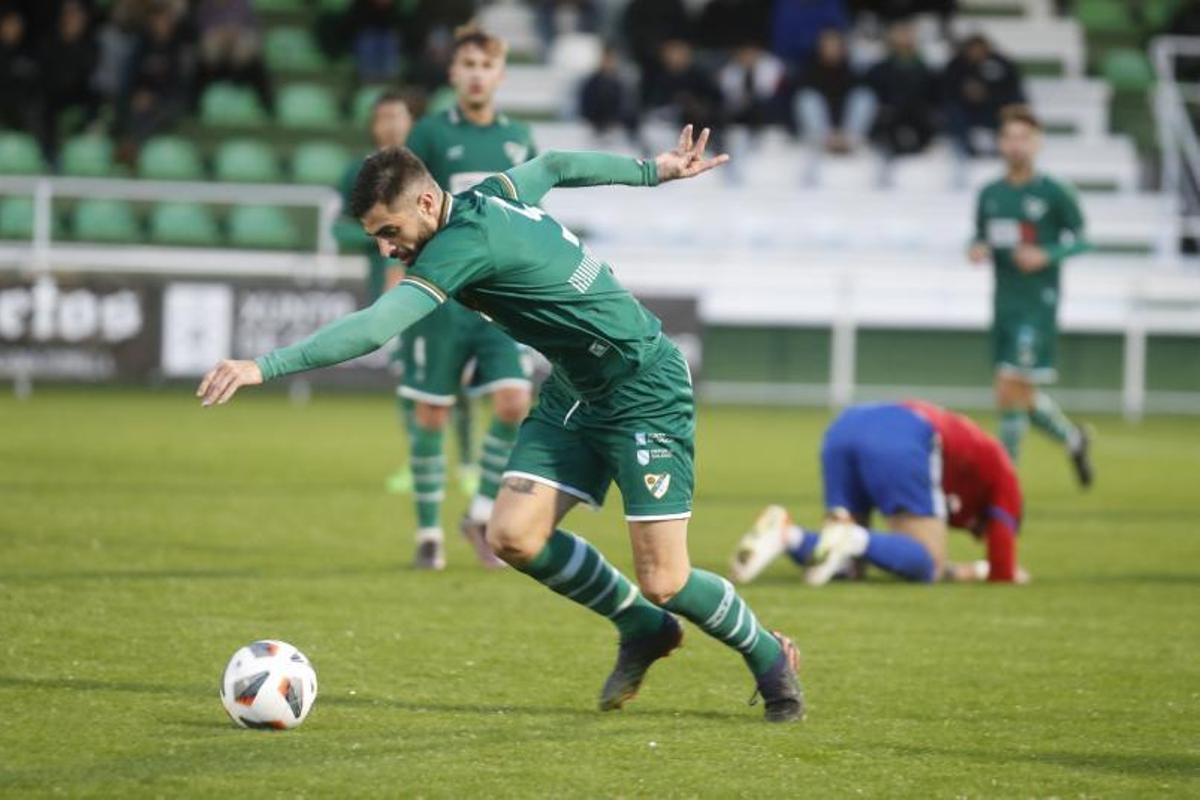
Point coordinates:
pixel 976 84
pixel 20 74
pixel 906 90
pixel 605 99
pixel 159 87
pixel 834 105
pixel 69 58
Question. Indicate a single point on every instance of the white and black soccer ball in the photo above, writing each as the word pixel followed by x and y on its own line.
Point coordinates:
pixel 268 684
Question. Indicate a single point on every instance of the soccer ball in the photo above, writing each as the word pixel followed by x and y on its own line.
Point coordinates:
pixel 268 684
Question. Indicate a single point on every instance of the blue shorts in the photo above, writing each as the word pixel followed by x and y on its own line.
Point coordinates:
pixel 884 457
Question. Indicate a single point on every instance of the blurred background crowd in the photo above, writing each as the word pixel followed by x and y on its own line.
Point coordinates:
pixel 838 74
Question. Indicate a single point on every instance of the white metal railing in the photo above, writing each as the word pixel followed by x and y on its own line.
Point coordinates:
pixel 1176 132
pixel 45 189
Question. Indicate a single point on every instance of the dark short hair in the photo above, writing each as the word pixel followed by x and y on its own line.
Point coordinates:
pixel 385 175
pixel 387 98
pixel 1018 112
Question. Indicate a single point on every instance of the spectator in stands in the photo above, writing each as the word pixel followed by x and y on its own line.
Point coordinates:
pixel 906 91
pixel 683 91
pixel 69 59
pixel 20 74
pixel 834 106
pixel 754 84
pixel 117 40
pixel 161 78
pixel 727 24
pixel 374 29
pixel 797 24
pixel 231 46
pixel 556 17
pixel 976 84
pixel 888 11
pixel 606 99
pixel 647 25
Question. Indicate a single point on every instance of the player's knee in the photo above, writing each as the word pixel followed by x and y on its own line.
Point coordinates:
pixel 512 540
pixel 431 417
pixel 511 406
pixel 660 586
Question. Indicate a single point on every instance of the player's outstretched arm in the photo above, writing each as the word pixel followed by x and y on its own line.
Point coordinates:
pixel 533 179
pixel 341 340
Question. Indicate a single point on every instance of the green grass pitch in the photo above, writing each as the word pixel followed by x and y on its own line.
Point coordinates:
pixel 142 540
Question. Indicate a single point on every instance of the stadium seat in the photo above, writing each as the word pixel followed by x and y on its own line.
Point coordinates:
pixel 105 221
pixel 229 105
pixel 170 158
pixel 246 161
pixel 1105 17
pixel 293 49
pixel 280 6
pixel 16 217
pixel 19 154
pixel 261 226
pixel 1128 70
pixel 364 100
pixel 88 156
pixel 184 224
pixel 307 106
pixel 321 163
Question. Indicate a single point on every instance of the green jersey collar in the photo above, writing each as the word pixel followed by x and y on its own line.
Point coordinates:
pixel 456 117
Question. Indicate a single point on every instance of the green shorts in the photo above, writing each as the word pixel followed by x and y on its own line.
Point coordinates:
pixel 641 435
pixel 1023 344
pixel 441 348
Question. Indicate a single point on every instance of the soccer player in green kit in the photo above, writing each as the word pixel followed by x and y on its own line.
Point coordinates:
pixel 1028 224
pixel 618 404
pixel 461 147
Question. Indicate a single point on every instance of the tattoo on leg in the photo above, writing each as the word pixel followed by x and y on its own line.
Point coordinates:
pixel 519 485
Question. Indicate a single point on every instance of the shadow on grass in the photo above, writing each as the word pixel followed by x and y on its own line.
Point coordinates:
pixel 1181 765
pixel 365 701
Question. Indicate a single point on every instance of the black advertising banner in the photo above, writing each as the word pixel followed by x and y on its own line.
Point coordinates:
pixel 78 328
pixel 144 328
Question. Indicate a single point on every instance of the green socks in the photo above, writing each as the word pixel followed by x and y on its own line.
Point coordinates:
pixel 1046 416
pixel 710 602
pixel 429 477
pixel 570 566
pixel 1013 423
pixel 497 447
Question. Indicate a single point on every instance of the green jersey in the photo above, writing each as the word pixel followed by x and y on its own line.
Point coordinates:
pixel 499 253
pixel 1041 212
pixel 460 154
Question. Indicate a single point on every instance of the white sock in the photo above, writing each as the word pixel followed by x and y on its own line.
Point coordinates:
pixel 481 509
pixel 429 535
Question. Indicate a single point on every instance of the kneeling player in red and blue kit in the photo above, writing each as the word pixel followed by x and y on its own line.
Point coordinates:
pixel 926 470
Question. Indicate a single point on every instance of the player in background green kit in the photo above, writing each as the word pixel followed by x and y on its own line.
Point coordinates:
pixel 618 405
pixel 1028 224
pixel 462 146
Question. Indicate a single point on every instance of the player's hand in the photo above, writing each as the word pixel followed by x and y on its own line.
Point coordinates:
pixel 979 253
pixel 687 160
pixel 226 378
pixel 1030 258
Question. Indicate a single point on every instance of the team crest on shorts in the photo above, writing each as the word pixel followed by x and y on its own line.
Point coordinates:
pixel 658 484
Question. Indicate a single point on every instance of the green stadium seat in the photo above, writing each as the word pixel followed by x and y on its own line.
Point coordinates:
pixel 262 226
pixel 19 154
pixel 293 49
pixel 321 163
pixel 184 224
pixel 363 103
pixel 16 217
pixel 246 161
pixel 170 158
pixel 307 106
pixel 1104 16
pixel 105 221
pixel 1128 70
pixel 280 6
pixel 88 156
pixel 230 105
